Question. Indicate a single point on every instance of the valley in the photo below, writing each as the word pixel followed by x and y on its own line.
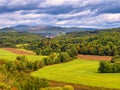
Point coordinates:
pixel 85 60
pixel 59 44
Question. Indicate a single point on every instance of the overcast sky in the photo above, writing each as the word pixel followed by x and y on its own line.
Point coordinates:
pixel 70 13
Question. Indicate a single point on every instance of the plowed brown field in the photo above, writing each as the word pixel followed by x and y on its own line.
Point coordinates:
pixel 95 57
pixel 18 51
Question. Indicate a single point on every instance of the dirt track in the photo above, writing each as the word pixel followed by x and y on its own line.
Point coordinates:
pixel 16 51
pixel 76 86
pixel 95 57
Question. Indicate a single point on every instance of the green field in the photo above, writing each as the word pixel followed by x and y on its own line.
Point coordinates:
pixel 11 56
pixel 79 72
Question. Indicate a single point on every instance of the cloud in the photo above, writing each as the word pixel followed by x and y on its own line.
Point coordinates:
pixel 51 3
pixel 16 18
pixel 87 13
pixel 101 21
pixel 16 3
pixel 3 2
pixel 75 14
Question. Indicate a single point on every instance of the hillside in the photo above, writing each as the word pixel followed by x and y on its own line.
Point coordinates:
pixel 10 54
pixel 11 39
pixel 95 42
pixel 80 71
pixel 72 54
pixel 102 42
pixel 47 31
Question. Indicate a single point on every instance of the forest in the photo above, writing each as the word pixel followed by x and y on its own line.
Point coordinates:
pixel 60 49
pixel 101 42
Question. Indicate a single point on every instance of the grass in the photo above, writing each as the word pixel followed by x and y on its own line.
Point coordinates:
pixel 11 56
pixel 79 72
pixel 7 55
pixel 21 45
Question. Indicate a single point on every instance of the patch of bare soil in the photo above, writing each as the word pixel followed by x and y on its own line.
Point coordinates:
pixel 95 57
pixel 16 51
pixel 76 86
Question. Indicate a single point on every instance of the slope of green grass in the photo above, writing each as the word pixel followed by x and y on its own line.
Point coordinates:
pixel 7 55
pixel 11 56
pixel 79 72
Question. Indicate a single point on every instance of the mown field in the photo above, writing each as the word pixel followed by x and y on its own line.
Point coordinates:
pixel 79 71
pixel 9 54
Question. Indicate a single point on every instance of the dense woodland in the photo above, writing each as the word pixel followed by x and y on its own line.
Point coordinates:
pixel 101 42
pixel 58 50
pixel 11 39
pixel 105 42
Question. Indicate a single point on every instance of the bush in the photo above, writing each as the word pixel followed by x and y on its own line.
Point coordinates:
pixel 31 83
pixel 24 65
pixel 68 87
pixel 2 61
pixel 116 68
pixel 64 57
pixel 21 58
pixel 57 58
pixel 38 64
pixel 48 61
pixel 115 59
pixel 38 51
pixel 72 52
pixel 112 66
pixel 46 51
pixel 52 59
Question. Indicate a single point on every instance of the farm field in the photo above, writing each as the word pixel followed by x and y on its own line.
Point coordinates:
pixel 11 54
pixel 19 51
pixel 95 57
pixel 81 72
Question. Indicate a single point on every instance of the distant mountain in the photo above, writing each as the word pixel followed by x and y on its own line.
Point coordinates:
pixel 47 31
pixel 21 27
pixel 7 29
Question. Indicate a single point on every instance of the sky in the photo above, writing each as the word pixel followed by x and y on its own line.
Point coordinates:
pixel 65 13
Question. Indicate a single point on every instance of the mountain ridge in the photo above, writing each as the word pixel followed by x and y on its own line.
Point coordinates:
pixel 44 30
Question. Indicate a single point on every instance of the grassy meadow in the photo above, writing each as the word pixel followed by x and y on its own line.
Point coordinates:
pixel 7 55
pixel 79 71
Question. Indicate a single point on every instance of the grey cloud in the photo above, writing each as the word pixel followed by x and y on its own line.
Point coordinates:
pixel 92 13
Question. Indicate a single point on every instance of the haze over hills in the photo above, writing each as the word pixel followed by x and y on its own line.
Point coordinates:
pixel 47 31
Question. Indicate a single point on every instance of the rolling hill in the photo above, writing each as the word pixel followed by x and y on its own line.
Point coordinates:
pixel 80 71
pixel 47 31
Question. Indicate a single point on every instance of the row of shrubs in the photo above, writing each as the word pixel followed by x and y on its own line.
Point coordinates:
pixel 112 66
pixel 17 72
pixel 57 58
pixel 21 81
pixel 23 64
